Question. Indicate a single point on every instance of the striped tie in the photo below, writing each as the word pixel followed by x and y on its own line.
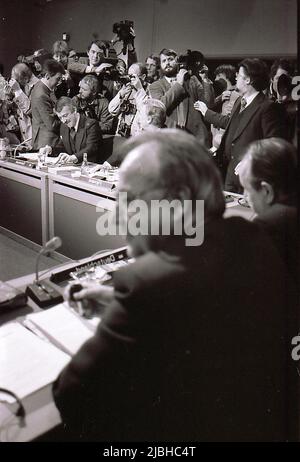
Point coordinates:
pixel 243 104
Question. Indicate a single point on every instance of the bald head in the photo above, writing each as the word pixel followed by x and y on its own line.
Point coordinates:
pixel 165 168
pixel 140 171
pixel 21 73
pixel 171 161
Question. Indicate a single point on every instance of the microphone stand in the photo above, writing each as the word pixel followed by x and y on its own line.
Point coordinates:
pixel 18 145
pixel 41 252
pixel 44 294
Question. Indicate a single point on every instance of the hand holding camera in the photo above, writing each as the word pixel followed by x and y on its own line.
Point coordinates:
pixel 181 76
pixel 102 68
pixel 14 85
pixel 226 95
pixel 201 107
pixel 135 82
pixel 125 90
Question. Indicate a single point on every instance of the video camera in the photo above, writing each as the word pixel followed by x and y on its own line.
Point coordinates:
pixel 124 33
pixel 122 30
pixel 192 61
pixel 112 73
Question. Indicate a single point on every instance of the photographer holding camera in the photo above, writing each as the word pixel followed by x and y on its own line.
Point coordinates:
pixel 179 88
pixel 92 104
pixel 94 63
pixel 125 105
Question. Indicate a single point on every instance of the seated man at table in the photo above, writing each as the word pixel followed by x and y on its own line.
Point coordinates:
pixel 78 134
pixel 191 346
pixel 268 173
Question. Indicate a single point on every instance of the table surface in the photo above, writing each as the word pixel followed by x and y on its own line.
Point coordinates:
pixel 41 412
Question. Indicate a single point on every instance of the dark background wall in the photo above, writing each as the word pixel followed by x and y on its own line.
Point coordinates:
pixel 219 28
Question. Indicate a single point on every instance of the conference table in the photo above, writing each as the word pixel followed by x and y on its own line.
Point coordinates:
pixel 59 201
pixel 40 204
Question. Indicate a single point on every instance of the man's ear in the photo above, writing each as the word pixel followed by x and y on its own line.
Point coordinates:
pixel 47 76
pixel 268 192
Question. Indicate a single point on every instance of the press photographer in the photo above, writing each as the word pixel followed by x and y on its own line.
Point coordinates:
pixel 92 104
pixel 124 33
pixel 178 88
pixel 193 62
pixel 125 105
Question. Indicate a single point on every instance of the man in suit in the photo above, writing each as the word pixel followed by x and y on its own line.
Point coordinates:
pixel 191 345
pixel 21 83
pixel 253 117
pixel 45 125
pixel 78 134
pixel 268 174
pixel 179 91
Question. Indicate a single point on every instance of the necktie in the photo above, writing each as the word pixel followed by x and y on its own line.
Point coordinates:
pixel 243 104
pixel 72 138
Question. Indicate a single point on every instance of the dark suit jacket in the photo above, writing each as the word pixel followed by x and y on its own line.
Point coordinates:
pixel 45 125
pixel 263 119
pixel 88 139
pixel 187 93
pixel 280 223
pixel 191 349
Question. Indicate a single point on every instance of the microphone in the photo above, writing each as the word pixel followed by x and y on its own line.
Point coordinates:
pixel 18 145
pixel 50 246
pixel 43 293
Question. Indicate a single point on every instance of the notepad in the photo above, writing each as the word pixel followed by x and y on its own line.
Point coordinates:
pixel 27 363
pixel 63 327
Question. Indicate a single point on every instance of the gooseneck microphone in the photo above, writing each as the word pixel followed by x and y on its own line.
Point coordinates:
pixel 43 293
pixel 19 145
pixel 50 246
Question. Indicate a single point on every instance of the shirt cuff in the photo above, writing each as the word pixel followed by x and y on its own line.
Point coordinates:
pixel 74 159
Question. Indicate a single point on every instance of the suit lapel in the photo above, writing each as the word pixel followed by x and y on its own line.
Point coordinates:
pixel 249 113
pixel 185 102
pixel 166 85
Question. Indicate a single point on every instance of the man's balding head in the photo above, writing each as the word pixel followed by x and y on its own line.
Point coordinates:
pixel 175 160
pixel 170 165
pixel 21 73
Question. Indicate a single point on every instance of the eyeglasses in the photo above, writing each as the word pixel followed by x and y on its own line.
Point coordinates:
pixel 64 117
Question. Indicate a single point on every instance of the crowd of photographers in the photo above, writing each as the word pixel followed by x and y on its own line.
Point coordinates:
pixel 168 90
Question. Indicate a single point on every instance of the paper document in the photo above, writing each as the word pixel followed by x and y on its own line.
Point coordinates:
pixel 29 156
pixel 27 363
pixel 63 327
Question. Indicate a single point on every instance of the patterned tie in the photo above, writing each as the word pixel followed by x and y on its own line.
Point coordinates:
pixel 243 104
